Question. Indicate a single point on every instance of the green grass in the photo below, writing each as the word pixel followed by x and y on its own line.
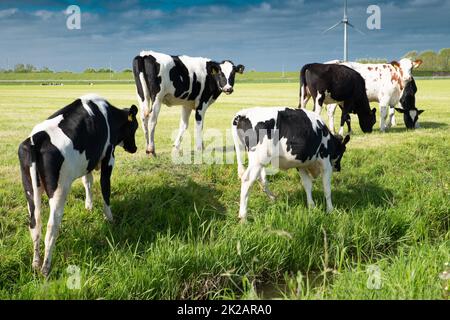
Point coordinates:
pixel 127 77
pixel 177 234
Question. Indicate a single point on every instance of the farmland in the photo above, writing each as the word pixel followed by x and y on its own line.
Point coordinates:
pixel 177 235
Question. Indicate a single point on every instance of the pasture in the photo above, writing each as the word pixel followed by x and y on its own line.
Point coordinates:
pixel 177 235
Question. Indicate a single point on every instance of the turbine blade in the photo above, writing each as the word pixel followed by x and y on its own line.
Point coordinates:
pixel 355 28
pixel 334 26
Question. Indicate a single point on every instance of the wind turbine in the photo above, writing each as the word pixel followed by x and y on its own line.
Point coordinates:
pixel 346 23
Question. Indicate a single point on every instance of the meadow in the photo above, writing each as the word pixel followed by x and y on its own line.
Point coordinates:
pixel 176 233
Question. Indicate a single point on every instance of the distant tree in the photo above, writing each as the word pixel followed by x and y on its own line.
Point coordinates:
pixel 89 70
pixel 411 55
pixel 430 61
pixel 127 70
pixel 372 60
pixel 46 70
pixel 24 68
pixel 105 70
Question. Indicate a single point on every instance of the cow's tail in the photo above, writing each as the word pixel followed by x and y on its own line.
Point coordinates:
pixel 30 178
pixel 304 95
pixel 239 145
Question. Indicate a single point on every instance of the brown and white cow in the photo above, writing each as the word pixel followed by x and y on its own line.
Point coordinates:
pixel 385 83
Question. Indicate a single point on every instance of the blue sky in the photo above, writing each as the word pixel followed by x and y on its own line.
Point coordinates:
pixel 262 35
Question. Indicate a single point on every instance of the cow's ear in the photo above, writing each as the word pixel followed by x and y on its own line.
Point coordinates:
pixel 420 111
pixel 346 139
pixel 401 110
pixel 132 112
pixel 395 64
pixel 239 68
pixel 417 63
pixel 212 68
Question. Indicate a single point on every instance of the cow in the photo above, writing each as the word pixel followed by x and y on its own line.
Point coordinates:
pixel 333 83
pixel 408 106
pixel 68 145
pixel 385 83
pixel 288 138
pixel 192 82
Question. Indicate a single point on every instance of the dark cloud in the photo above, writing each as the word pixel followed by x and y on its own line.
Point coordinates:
pixel 263 35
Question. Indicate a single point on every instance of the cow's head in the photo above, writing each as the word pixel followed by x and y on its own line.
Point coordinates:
pixel 368 120
pixel 224 73
pixel 411 116
pixel 127 131
pixel 339 149
pixel 405 66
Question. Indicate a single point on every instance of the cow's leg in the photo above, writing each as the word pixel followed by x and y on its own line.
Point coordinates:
pixel 343 121
pixel 248 178
pixel 105 183
pixel 88 180
pixel 326 179
pixel 318 102
pixel 145 112
pixel 307 185
pixel 331 108
pixel 240 149
pixel 199 119
pixel 348 122
pixel 383 115
pixel 184 123
pixel 33 194
pixel 156 106
pixel 391 120
pixel 304 96
pixel 36 229
pixel 54 221
pixel 265 185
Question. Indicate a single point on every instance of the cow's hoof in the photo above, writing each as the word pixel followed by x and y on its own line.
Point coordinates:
pixel 45 270
pixel 272 197
pixel 242 220
pixel 88 206
pixel 151 153
pixel 36 264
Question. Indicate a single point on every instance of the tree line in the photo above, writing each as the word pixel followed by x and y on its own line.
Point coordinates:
pixel 432 62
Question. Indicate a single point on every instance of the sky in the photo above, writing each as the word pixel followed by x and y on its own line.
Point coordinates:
pixel 270 35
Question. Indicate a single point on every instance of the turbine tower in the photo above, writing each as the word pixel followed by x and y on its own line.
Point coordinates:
pixel 346 23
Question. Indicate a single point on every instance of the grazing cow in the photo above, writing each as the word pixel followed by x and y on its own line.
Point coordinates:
pixel 70 144
pixel 293 138
pixel 385 83
pixel 194 83
pixel 332 83
pixel 408 106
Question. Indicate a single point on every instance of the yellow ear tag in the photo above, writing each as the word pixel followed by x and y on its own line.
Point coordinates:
pixel 130 118
pixel 213 72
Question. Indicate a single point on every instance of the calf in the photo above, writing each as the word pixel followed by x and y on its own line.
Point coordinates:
pixel 331 83
pixel 70 144
pixel 293 138
pixel 408 106
pixel 194 83
pixel 385 83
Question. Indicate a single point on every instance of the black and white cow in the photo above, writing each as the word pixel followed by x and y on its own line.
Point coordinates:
pixel 286 138
pixel 408 106
pixel 331 83
pixel 192 82
pixel 70 144
pixel 385 83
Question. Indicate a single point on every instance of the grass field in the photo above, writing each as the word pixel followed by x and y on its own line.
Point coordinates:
pixel 177 234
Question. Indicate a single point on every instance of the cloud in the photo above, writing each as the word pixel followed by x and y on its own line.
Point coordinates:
pixel 263 35
pixel 8 12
